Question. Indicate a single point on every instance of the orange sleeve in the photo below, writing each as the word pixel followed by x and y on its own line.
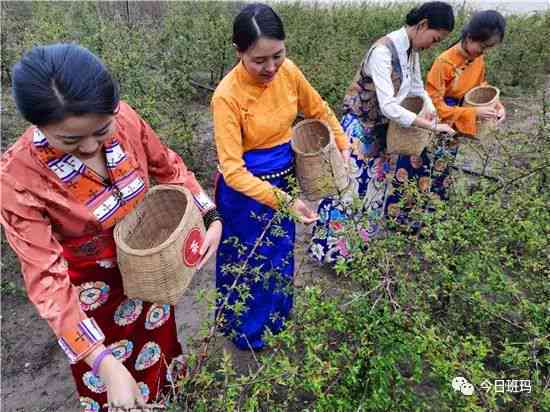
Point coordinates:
pixel 438 80
pixel 45 271
pixel 227 132
pixel 167 167
pixel 314 107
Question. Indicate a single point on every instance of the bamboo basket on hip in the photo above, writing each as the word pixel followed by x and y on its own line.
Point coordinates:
pixel 320 168
pixel 158 245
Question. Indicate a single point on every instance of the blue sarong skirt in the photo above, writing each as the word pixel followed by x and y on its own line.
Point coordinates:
pixel 263 289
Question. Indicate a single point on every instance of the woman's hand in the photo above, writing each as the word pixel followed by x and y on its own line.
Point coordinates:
pixel 211 242
pixel 303 212
pixel 122 390
pixel 444 128
pixel 486 113
pixel 433 125
pixel 429 116
pixel 346 153
pixel 501 113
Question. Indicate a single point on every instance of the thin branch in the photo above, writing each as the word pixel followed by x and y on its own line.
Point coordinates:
pixel 471 172
pixel 206 342
pixel 198 85
pixel 512 181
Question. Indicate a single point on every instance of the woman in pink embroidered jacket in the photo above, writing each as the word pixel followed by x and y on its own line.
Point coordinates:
pixel 81 167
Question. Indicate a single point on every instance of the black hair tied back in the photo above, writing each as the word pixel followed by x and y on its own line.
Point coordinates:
pixel 254 21
pixel 484 25
pixel 438 14
pixel 413 17
pixel 53 82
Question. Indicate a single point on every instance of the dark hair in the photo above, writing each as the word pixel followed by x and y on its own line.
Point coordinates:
pixel 484 25
pixel 59 80
pixel 439 15
pixel 253 21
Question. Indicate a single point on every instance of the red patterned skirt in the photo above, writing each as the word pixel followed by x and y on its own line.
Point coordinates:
pixel 142 335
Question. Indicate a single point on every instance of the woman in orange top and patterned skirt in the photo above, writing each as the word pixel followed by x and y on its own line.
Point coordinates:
pixel 254 108
pixel 457 71
pixel 83 165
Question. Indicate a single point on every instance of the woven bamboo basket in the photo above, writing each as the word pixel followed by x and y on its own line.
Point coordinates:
pixel 483 96
pixel 158 245
pixel 412 140
pixel 320 168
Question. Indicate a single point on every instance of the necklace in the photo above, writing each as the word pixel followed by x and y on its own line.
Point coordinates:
pixel 105 180
pixel 108 183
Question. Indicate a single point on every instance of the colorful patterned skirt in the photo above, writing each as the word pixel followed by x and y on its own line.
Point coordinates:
pixel 378 180
pixel 142 335
pixel 264 286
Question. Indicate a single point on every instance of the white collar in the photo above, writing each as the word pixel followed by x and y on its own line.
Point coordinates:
pixel 400 40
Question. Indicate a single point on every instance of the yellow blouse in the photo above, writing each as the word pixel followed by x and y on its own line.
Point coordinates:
pixel 249 115
pixel 453 75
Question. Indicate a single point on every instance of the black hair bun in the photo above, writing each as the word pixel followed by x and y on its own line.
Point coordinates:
pixel 413 16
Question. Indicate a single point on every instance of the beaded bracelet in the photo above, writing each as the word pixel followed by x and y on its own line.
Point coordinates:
pixel 210 217
pixel 98 359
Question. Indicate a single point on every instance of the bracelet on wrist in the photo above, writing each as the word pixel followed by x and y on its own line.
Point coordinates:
pixel 98 359
pixel 210 217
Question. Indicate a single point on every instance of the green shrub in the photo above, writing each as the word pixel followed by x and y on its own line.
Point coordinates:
pixel 465 297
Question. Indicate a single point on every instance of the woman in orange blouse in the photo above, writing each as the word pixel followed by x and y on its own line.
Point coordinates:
pixel 254 108
pixel 83 165
pixel 461 68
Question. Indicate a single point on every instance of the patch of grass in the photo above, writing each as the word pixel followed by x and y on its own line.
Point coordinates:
pixel 10 288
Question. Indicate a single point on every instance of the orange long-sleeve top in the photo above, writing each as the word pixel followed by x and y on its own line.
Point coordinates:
pixel 249 115
pixel 44 201
pixel 453 75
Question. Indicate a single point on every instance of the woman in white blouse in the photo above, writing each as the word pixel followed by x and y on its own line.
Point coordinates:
pixel 388 74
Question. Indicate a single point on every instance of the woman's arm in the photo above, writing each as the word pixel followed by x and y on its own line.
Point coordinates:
pixel 439 77
pixel 48 286
pixel 433 124
pixel 167 167
pixel 380 68
pixel 163 164
pixel 122 388
pixel 417 88
pixel 379 64
pixel 313 106
pixel 227 133
pixel 45 271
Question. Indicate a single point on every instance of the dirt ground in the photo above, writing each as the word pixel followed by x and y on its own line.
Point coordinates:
pixel 35 372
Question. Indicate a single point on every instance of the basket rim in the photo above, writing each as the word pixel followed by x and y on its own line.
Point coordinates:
pixel 303 123
pixel 171 239
pixel 487 86
pixel 395 124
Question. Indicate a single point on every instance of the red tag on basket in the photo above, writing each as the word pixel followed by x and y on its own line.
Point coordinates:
pixel 191 247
